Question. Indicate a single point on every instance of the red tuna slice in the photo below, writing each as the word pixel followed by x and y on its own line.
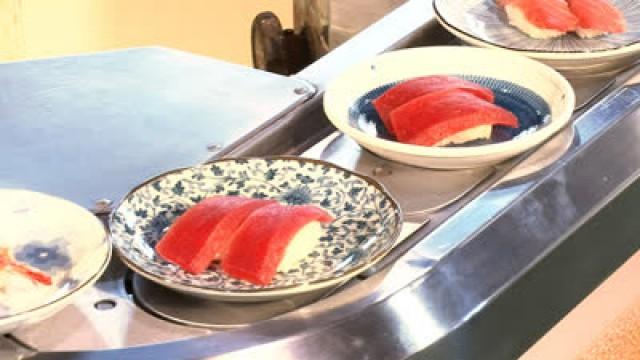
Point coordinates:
pixel 260 243
pixel 598 15
pixel 411 89
pixel 430 118
pixel 546 14
pixel 220 238
pixel 185 244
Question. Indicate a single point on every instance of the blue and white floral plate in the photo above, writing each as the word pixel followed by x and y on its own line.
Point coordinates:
pixel 367 223
pixel 539 96
pixel 56 237
pixel 483 23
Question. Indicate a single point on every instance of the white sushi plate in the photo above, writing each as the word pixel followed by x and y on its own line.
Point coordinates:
pixel 56 237
pixel 510 70
pixel 367 223
pixel 483 23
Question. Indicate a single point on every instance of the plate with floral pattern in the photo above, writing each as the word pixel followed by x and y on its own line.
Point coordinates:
pixel 366 226
pixel 63 244
pixel 484 23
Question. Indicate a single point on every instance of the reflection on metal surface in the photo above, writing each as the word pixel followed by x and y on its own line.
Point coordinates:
pixel 189 310
pixel 85 326
pixel 419 191
pixel 589 89
pixel 615 105
pixel 91 127
pixel 546 155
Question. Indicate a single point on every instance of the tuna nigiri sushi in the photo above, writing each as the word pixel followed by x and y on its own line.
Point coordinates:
pixel 264 238
pixel 540 19
pixel 221 236
pixel 597 17
pixel 448 117
pixel 410 89
pixel 187 244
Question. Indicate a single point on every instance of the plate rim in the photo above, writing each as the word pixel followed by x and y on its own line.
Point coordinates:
pixel 538 54
pixel 339 118
pixel 105 243
pixel 62 300
pixel 265 293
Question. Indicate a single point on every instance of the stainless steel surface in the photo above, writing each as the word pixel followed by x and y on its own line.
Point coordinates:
pixel 193 311
pixel 84 326
pixel 589 89
pixel 9 349
pixel 450 270
pixel 92 127
pixel 418 191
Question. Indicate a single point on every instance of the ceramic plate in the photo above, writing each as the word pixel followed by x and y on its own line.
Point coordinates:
pixel 541 98
pixel 367 223
pixel 54 236
pixel 483 23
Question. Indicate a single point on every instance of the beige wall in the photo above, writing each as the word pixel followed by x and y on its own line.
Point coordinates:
pixel 217 28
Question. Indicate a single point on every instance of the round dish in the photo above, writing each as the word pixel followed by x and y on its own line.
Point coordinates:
pixel 539 79
pixel 483 23
pixel 368 222
pixel 52 235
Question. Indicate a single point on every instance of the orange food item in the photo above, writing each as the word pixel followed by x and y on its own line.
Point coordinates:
pixel 7 263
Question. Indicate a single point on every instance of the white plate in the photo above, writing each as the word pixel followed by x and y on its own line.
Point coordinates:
pixel 52 235
pixel 347 89
pixel 368 222
pixel 483 23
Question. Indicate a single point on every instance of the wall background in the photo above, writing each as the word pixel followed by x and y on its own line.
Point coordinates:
pixel 218 28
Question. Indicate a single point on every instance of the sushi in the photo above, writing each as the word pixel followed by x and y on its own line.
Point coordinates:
pixel 448 117
pixel 597 17
pixel 221 236
pixel 540 19
pixel 186 243
pixel 410 89
pixel 252 238
pixel 261 243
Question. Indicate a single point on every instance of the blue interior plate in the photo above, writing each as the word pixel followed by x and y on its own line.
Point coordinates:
pixel 530 109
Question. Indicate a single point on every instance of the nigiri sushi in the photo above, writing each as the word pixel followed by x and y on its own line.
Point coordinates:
pixel 186 243
pixel 221 236
pixel 540 19
pixel 597 17
pixel 267 237
pixel 410 89
pixel 448 117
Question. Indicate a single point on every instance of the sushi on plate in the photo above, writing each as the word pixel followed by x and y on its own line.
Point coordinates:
pixel 270 239
pixel 540 19
pixel 410 89
pixel 252 238
pixel 186 242
pixel 597 17
pixel 448 117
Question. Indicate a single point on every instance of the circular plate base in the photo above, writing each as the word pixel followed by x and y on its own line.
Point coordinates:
pixel 200 312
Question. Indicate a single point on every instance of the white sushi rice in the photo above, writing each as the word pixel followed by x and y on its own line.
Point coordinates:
pixel 302 244
pixel 518 19
pixel 589 33
pixel 482 132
